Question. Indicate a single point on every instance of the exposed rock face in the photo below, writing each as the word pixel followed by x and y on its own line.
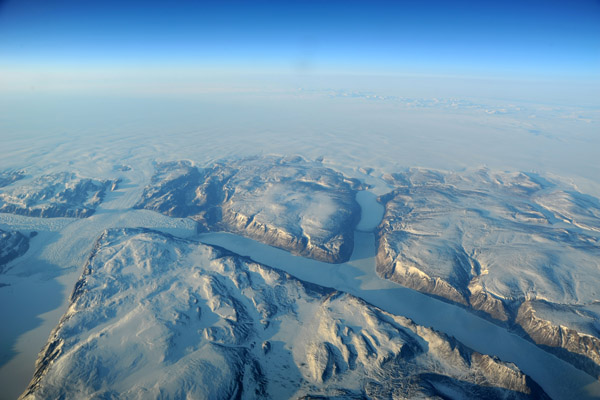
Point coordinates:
pixel 555 336
pixel 503 244
pixel 13 244
pixel 8 177
pixel 58 195
pixel 158 317
pixel 289 203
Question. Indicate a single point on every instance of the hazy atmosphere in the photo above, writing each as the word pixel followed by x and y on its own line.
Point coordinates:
pixel 184 185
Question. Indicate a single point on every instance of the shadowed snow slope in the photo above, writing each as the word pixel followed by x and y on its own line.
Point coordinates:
pixel 57 195
pixel 12 245
pixel 514 246
pixel 158 317
pixel 9 176
pixel 287 202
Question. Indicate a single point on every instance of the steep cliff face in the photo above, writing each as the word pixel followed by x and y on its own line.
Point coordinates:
pixel 289 203
pixel 158 317
pixel 580 348
pixel 58 195
pixel 493 241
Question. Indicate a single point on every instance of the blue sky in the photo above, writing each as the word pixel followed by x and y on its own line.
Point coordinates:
pixel 548 50
pixel 529 38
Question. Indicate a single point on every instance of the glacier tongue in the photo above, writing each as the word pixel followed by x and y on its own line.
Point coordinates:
pixel 154 316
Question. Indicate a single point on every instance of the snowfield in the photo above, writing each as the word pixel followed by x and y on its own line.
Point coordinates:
pixel 515 246
pixel 57 195
pixel 536 236
pixel 174 190
pixel 286 202
pixel 156 316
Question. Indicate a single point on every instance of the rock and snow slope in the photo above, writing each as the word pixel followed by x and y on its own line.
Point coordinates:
pixel 156 316
pixel 289 203
pixel 9 176
pixel 55 195
pixel 514 246
pixel 12 245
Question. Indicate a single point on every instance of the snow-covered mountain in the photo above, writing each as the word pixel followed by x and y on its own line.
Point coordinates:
pixel 285 202
pixel 9 176
pixel 156 316
pixel 514 246
pixel 63 194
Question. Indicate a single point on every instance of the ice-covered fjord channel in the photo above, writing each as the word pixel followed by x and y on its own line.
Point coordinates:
pixel 358 277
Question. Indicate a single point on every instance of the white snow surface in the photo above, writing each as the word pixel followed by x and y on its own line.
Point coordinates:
pixel 105 137
pixel 79 235
pixel 40 281
pixel 55 195
pixel 515 236
pixel 154 316
pixel 357 277
pixel 288 202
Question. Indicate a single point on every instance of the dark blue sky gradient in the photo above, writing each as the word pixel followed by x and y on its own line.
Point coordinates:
pixel 528 38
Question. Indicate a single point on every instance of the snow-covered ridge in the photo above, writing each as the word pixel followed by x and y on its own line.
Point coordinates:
pixel 286 202
pixel 7 177
pixel 56 195
pixel 156 316
pixel 505 244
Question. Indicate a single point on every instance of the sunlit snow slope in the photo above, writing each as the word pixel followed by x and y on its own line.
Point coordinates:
pixel 156 316
pixel 62 194
pixel 514 246
pixel 286 202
